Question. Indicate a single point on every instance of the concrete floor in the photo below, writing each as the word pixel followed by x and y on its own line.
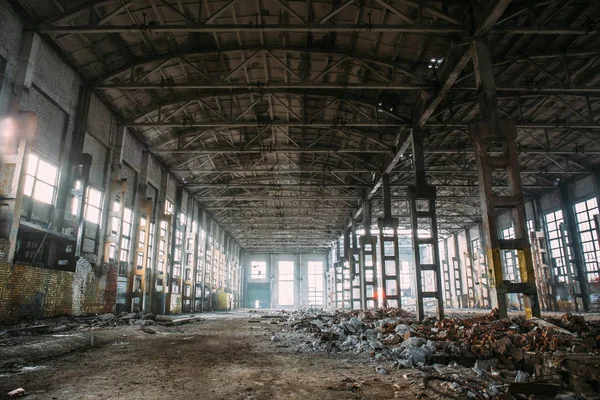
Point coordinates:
pixel 223 357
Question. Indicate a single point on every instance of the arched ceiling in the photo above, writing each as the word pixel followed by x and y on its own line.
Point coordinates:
pixel 281 116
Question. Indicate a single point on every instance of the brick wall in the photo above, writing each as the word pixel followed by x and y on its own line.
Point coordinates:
pixel 11 36
pixel 30 292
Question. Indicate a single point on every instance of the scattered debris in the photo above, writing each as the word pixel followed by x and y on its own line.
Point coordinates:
pixel 380 370
pixel 176 320
pixel 149 329
pixel 68 326
pixel 16 393
pixel 480 357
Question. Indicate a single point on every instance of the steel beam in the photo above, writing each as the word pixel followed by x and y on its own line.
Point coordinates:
pixel 276 171
pixel 267 150
pixel 488 133
pixel 389 264
pixel 261 124
pixel 486 25
pixel 450 124
pixel 263 86
pixel 300 28
pixel 235 28
pixel 426 264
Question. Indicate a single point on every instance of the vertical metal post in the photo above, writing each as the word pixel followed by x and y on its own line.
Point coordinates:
pixel 472 297
pixel 491 135
pixel 447 284
pixel 368 261
pixel 389 270
pixel 354 268
pixel 457 275
pixel 421 201
pixel 337 270
pixel 346 273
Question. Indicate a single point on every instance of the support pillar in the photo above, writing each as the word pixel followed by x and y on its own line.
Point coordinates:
pixel 13 162
pixel 163 240
pixel 472 295
pixel 337 270
pixel 346 273
pixel 389 273
pixel 15 133
pixel 368 261
pixel 354 268
pixel 174 299
pixel 207 232
pixel 445 265
pixel 421 201
pixel 491 136
pixel 459 294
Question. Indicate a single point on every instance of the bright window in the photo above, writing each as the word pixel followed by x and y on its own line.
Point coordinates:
pixel 258 270
pixel 168 207
pixel 126 233
pixel 510 257
pixel 588 236
pixel 286 283
pixel 41 180
pixel 163 228
pixel 553 222
pixel 315 282
pixel 93 205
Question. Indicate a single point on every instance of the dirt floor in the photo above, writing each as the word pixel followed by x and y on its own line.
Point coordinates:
pixel 223 357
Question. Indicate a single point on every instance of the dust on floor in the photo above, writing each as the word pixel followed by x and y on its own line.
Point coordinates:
pixel 223 357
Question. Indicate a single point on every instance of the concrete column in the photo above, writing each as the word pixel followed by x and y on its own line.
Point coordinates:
pixel 13 161
pixel 206 227
pixel 14 145
pixel 25 68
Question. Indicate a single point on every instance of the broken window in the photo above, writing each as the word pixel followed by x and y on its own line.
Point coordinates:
pixel 258 270
pixel 588 237
pixel 555 237
pixel 168 207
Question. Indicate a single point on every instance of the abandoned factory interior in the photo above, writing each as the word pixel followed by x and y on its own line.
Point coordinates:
pixel 300 199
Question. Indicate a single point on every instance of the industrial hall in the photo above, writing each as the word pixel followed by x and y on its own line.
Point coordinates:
pixel 300 199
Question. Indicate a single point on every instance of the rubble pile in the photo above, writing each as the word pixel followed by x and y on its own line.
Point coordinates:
pixel 146 322
pixel 484 352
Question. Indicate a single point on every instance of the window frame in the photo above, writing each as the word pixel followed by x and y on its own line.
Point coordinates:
pixel 126 231
pixel 34 179
pixel 258 264
pixel 87 205
pixel 588 237
pixel 315 270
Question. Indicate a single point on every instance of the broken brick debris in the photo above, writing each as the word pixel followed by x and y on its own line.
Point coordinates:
pixel 477 357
